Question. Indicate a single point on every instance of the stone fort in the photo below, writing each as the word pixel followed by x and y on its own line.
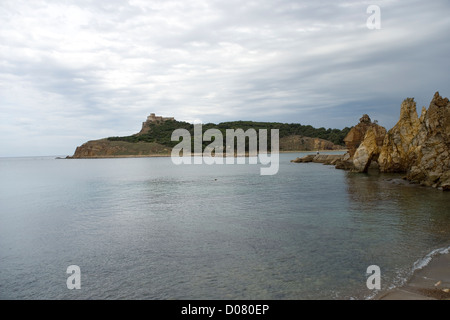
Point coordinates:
pixel 152 118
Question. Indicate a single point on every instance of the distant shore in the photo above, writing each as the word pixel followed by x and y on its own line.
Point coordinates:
pixel 431 282
pixel 192 155
pixel 118 157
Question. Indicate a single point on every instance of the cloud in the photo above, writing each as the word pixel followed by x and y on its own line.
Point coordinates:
pixel 81 70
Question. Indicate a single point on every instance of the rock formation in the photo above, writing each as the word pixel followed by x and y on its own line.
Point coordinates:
pixel 328 159
pixel 356 135
pixel 370 148
pixel 419 147
pixel 398 151
pixel 363 143
pixel 431 146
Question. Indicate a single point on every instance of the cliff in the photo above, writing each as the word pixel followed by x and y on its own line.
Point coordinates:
pixel 105 148
pixel 431 165
pixel 398 151
pixel 417 146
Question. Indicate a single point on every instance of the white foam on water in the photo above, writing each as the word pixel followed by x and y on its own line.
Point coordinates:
pixel 403 276
pixel 421 263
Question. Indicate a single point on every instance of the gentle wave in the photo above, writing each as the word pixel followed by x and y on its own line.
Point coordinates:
pixel 403 278
pixel 421 263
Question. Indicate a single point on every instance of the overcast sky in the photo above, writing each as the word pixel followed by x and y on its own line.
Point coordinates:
pixel 72 71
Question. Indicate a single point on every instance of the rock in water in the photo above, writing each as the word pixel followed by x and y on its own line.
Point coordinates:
pixel 431 146
pixel 398 151
pixel 417 146
pixel 356 135
pixel 370 148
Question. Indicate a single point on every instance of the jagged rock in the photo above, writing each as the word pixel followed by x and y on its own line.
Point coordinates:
pixel 369 150
pixel 419 147
pixel 431 146
pixel 356 135
pixel 398 151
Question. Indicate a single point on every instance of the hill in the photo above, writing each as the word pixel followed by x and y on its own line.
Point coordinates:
pixel 154 139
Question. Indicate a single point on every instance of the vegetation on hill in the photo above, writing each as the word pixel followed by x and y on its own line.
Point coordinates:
pixel 161 132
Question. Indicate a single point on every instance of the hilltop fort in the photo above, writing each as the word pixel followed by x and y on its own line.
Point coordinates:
pixel 153 119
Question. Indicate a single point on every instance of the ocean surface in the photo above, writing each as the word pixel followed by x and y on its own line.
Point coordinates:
pixel 144 228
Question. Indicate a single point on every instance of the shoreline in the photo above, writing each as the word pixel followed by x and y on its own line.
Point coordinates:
pixel 192 155
pixel 430 281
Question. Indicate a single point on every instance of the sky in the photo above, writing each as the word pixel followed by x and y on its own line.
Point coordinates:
pixel 73 71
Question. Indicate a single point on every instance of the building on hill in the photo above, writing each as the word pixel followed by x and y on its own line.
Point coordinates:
pixel 153 119
pixel 156 119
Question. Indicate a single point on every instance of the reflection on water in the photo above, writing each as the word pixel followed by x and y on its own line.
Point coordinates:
pixel 404 221
pixel 406 204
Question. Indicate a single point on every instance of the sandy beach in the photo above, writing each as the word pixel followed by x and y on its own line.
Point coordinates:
pixel 431 282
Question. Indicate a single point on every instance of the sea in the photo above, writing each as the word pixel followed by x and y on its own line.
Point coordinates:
pixel 148 229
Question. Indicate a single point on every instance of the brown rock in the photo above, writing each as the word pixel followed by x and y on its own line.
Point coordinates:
pixel 431 146
pixel 417 146
pixel 370 148
pixel 328 159
pixel 356 135
pixel 398 151
pixel 305 159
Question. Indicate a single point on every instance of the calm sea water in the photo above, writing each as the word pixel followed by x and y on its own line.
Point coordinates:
pixel 147 229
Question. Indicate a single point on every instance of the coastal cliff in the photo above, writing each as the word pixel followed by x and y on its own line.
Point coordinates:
pixel 431 164
pixel 416 146
pixel 105 148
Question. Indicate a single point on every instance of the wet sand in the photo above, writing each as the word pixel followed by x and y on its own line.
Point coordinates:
pixel 432 282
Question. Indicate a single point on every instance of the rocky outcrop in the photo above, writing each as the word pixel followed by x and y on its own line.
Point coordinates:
pixel 369 150
pixel 363 143
pixel 431 146
pixel 356 135
pixel 398 151
pixel 328 159
pixel 419 147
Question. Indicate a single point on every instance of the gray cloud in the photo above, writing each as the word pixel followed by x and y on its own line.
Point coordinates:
pixel 71 71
